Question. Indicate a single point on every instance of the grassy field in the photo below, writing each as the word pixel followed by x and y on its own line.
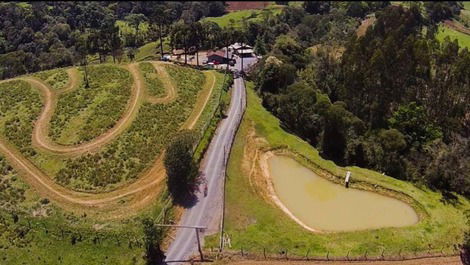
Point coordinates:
pixel 253 223
pixel 463 39
pixel 153 84
pixel 237 18
pixel 56 78
pixel 34 231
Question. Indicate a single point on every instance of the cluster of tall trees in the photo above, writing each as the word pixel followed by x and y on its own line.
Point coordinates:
pixel 396 100
pixel 37 36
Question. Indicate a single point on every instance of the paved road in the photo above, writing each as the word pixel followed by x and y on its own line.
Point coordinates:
pixel 208 210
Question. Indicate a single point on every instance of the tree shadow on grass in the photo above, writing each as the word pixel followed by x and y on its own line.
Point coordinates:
pixel 449 198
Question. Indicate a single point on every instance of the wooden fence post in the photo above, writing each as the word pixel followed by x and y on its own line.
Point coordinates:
pixel 264 252
pixel 347 256
pixel 306 255
pixel 328 255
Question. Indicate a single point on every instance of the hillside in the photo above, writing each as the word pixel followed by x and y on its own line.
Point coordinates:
pixel 79 160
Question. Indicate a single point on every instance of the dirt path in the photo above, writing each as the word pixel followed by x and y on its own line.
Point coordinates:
pixel 424 261
pixel 41 138
pixel 457 26
pixel 167 83
pixel 202 99
pixel 119 203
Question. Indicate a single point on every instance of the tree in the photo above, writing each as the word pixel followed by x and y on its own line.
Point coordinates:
pixel 134 21
pixel 411 120
pixel 317 7
pixel 181 169
pixel 161 17
pixel 260 47
pixel 153 235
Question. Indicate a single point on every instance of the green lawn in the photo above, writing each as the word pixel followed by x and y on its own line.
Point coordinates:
pixel 253 223
pixel 463 39
pixel 237 18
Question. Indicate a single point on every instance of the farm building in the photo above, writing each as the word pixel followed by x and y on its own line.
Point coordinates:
pixel 217 56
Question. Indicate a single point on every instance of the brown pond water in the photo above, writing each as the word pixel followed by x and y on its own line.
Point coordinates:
pixel 323 205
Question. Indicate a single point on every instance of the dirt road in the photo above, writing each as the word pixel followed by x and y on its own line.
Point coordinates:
pixel 41 138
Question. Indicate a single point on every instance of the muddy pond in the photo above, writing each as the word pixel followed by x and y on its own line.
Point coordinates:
pixel 323 205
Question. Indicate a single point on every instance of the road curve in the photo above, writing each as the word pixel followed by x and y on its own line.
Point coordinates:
pixel 207 210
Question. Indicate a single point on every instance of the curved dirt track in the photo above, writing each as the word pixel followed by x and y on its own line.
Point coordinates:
pixel 41 129
pixel 118 203
pixel 167 83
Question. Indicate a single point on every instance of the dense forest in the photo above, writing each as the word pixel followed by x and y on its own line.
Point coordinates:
pixel 37 36
pixel 396 101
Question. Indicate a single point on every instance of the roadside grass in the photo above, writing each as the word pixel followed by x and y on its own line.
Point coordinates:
pixel 207 123
pixel 237 18
pixel 253 223
pixel 34 231
pixel 56 78
pixel 463 39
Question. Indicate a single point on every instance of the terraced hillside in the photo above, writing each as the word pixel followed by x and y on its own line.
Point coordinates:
pixel 102 145
pixel 81 168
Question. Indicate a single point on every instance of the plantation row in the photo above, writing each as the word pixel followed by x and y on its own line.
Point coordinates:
pixel 154 85
pixel 97 108
pixel 20 105
pixel 138 147
pixel 56 78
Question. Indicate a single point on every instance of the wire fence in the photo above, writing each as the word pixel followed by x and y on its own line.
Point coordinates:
pixel 292 254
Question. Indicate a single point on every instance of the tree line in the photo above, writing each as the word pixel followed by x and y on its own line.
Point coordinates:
pixel 36 36
pixel 396 101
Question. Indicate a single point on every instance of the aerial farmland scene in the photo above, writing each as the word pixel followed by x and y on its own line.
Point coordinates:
pixel 235 132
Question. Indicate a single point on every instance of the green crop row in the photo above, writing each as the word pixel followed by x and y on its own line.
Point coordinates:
pixel 56 78
pixel 154 85
pixel 138 146
pixel 86 113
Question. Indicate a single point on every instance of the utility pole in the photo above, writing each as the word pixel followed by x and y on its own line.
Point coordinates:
pixel 197 235
pixel 199 244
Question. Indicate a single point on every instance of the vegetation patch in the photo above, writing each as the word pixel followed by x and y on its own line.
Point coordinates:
pixel 238 18
pixel 444 32
pixel 20 105
pixel 34 231
pixel 253 223
pixel 153 84
pixel 55 78
pixel 138 146
pixel 86 113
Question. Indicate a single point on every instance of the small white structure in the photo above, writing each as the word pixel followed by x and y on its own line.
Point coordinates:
pixel 346 182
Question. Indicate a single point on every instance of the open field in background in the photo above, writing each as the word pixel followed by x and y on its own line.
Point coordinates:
pixel 237 18
pixel 125 28
pixel 444 31
pixel 253 223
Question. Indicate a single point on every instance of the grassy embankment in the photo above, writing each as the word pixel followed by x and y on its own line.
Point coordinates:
pixel 463 39
pixel 34 231
pixel 253 223
pixel 237 18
